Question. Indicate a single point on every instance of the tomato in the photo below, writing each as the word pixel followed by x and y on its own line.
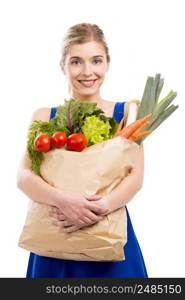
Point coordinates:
pixel 42 143
pixel 58 139
pixel 76 142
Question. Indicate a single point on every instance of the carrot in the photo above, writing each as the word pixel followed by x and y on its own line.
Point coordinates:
pixel 137 136
pixel 142 126
pixel 128 130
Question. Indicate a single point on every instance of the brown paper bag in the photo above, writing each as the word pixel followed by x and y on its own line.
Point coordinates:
pixel 96 170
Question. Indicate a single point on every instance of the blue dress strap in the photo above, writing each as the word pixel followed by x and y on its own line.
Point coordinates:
pixel 53 112
pixel 119 111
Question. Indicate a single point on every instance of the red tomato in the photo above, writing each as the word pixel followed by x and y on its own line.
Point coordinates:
pixel 58 139
pixel 76 142
pixel 42 143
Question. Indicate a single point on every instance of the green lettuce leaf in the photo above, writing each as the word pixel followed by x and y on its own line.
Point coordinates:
pixel 72 114
pixel 96 130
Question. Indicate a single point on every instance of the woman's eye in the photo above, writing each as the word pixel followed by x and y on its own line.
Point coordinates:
pixel 97 61
pixel 75 62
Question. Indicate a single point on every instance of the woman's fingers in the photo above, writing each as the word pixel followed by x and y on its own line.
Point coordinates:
pixel 61 223
pixel 93 217
pixel 86 221
pixel 92 197
pixel 55 210
pixel 71 228
pixel 57 216
pixel 66 226
pixel 61 220
pixel 97 209
pixel 56 223
pixel 65 223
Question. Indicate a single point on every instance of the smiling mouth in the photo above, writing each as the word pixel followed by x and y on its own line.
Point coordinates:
pixel 87 83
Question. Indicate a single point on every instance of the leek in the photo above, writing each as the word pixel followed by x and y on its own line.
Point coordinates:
pixel 160 110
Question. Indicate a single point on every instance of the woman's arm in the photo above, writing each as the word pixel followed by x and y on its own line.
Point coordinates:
pixel 30 183
pixel 34 186
pixel 73 205
pixel 129 186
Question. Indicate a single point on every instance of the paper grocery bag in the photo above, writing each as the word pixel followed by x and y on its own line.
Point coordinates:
pixel 96 170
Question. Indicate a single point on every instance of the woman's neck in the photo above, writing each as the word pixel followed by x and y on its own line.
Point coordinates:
pixel 105 105
pixel 90 98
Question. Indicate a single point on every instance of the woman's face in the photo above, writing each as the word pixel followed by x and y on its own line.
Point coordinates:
pixel 85 66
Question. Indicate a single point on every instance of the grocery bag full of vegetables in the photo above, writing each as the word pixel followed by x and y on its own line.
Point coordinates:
pixel 82 150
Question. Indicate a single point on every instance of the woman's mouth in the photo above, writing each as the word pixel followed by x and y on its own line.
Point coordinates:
pixel 87 83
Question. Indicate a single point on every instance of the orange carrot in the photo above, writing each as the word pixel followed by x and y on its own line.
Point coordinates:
pixel 142 126
pixel 139 135
pixel 128 130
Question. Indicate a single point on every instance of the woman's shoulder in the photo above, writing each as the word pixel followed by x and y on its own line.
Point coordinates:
pixel 42 113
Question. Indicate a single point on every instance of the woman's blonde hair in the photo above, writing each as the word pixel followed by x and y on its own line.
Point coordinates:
pixel 83 33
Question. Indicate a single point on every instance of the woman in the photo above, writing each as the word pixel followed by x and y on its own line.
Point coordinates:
pixel 85 60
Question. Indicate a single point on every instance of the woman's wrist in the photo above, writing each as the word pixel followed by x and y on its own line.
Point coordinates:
pixel 59 198
pixel 112 205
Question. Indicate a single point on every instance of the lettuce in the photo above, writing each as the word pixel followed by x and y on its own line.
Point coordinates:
pixel 96 130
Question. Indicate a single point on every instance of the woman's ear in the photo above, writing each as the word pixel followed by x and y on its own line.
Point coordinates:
pixel 62 66
pixel 107 67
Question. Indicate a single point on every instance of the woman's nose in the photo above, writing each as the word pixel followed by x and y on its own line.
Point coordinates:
pixel 87 70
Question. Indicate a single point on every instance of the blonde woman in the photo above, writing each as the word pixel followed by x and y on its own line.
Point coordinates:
pixel 85 61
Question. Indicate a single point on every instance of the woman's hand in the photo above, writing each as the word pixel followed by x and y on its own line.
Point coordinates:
pixel 62 221
pixel 77 211
pixel 101 203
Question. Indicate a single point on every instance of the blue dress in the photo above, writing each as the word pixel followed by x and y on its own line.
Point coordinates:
pixel 132 267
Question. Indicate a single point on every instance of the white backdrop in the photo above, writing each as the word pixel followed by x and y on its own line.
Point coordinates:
pixel 145 38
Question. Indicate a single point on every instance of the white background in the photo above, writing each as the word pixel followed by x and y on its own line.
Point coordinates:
pixel 145 38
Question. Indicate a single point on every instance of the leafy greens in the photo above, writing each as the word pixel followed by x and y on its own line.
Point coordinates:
pixel 72 117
